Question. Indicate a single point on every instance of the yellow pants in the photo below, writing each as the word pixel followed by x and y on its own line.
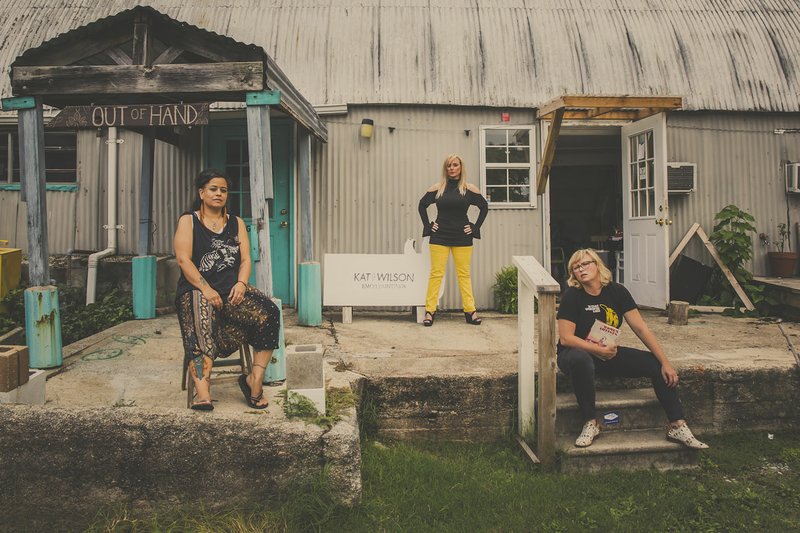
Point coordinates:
pixel 462 257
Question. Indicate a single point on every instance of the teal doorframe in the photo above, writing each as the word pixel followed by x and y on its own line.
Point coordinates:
pixel 226 143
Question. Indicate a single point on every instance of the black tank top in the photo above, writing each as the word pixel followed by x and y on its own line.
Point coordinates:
pixel 216 256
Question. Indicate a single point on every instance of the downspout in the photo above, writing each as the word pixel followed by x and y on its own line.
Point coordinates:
pixel 94 259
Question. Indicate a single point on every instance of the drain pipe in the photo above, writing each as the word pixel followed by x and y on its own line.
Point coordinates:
pixel 94 259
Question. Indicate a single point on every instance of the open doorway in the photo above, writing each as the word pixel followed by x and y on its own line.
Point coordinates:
pixel 586 196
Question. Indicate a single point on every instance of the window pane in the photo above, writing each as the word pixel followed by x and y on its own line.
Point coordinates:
pixel 518 194
pixel 650 184
pixel 4 156
pixel 642 204
pixel 519 138
pixel 651 203
pixel 518 176
pixel 633 176
pixel 495 176
pixel 232 152
pixel 495 155
pixel 244 181
pixel 634 206
pixel 649 136
pixel 495 137
pixel 232 173
pixel 247 208
pixel 519 155
pixel 233 203
pixel 642 175
pixel 497 194
pixel 633 149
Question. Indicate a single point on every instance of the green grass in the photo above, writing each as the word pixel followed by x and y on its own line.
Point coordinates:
pixel 746 482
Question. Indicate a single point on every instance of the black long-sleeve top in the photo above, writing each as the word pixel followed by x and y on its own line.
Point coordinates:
pixel 451 215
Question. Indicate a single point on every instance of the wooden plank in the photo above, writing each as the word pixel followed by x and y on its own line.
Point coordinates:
pixel 681 245
pixel 527 450
pixel 584 114
pixel 263 98
pixel 21 102
pixel 142 45
pixel 594 113
pixel 526 393
pixel 32 176
pixel 119 56
pixel 546 355
pixel 535 275
pixel 591 103
pixel 725 270
pixel 128 116
pixel 261 192
pixel 133 79
pixel 306 201
pixel 168 56
pixel 549 152
pixel 347 315
pixel 91 43
pixel 146 194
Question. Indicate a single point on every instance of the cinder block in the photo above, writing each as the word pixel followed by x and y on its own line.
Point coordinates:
pixel 9 373
pixel 22 362
pixel 304 369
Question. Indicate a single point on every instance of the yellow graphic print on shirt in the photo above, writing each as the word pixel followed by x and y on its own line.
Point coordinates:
pixel 612 319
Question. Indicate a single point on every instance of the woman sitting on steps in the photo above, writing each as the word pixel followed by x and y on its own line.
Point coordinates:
pixel 592 296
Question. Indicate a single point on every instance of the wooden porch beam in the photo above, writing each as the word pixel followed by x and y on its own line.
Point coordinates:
pixel 614 102
pixel 121 79
pixel 142 41
pixel 549 151
pixel 168 56
pixel 119 56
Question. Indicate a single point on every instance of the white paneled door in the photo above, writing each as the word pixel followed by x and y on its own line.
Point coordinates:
pixel 645 211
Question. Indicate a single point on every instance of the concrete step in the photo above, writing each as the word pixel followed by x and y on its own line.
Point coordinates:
pixel 637 409
pixel 564 383
pixel 626 450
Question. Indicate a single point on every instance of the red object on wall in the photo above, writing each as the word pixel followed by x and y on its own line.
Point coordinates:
pixel 505 117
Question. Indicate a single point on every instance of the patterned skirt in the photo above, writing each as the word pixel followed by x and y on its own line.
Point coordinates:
pixel 219 332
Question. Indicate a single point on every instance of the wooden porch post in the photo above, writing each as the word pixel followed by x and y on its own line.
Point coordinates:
pixel 306 207
pixel 144 266
pixel 42 319
pixel 261 193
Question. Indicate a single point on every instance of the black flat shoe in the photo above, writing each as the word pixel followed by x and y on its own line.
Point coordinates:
pixel 428 322
pixel 474 321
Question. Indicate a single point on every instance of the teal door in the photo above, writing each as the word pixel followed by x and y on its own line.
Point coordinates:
pixel 227 151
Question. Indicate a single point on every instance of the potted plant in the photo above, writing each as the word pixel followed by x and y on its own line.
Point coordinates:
pixel 781 262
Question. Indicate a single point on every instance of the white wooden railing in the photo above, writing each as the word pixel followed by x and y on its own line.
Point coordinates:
pixel 536 356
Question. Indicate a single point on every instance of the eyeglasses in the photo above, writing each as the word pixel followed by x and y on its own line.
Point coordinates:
pixel 581 266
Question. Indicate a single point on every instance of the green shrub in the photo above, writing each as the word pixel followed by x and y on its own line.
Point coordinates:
pixel 505 290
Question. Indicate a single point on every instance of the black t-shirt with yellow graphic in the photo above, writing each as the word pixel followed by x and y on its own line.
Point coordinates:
pixel 583 309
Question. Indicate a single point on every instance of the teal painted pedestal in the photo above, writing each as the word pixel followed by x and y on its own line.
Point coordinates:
pixel 43 327
pixel 144 286
pixel 309 289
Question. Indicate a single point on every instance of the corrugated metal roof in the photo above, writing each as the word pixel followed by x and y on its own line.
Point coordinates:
pixel 717 54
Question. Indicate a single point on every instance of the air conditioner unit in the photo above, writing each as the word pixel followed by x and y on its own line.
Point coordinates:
pixel 793 177
pixel 681 178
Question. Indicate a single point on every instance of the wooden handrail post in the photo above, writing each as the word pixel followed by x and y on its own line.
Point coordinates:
pixel 546 351
pixel 526 416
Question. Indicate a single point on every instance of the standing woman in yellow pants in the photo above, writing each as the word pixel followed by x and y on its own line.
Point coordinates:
pixel 452 232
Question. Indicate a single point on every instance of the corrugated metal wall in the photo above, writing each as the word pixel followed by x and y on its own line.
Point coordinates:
pixel 739 161
pixel 75 219
pixel 366 191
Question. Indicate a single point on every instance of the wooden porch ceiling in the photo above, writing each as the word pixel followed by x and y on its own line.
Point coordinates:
pixel 594 108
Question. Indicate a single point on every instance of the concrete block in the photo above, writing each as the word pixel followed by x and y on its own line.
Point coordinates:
pixel 9 372
pixel 31 393
pixel 305 372
pixel 304 368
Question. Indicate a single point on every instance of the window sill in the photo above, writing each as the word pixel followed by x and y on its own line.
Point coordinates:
pixel 63 187
pixel 511 206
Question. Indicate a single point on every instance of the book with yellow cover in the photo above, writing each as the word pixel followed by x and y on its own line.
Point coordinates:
pixel 602 333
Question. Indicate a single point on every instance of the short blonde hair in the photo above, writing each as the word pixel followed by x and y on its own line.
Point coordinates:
pixel 462 181
pixel 602 269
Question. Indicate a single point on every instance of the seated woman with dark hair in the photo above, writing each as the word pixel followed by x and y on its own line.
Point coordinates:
pixel 217 309
pixel 593 296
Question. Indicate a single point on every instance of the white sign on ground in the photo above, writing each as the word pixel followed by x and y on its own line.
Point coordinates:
pixel 365 280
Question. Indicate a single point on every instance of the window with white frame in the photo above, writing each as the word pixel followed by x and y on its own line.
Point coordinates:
pixel 507 162
pixel 60 156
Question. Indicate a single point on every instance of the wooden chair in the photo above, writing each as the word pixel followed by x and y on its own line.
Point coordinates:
pixel 245 362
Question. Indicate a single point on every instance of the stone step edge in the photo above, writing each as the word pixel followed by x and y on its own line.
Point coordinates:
pixel 616 399
pixel 623 443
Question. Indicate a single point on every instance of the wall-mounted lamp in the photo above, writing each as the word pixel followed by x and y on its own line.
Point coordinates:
pixel 466 132
pixel 391 129
pixel 365 130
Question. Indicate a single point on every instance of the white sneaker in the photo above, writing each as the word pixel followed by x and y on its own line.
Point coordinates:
pixel 684 435
pixel 589 432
